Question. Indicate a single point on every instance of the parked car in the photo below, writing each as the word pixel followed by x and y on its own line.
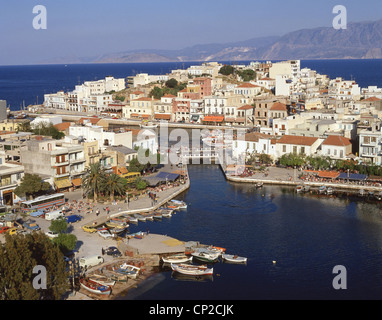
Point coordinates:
pixel 113 251
pixel 73 218
pixel 92 261
pixel 38 213
pixel 31 225
pixel 4 229
pixel 51 234
pixel 105 234
pixel 90 229
pixel 12 231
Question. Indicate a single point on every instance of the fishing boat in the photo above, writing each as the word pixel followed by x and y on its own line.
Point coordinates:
pixel 140 217
pixel 322 189
pixel 102 279
pixel 118 230
pixel 362 192
pixel 177 258
pixel 234 258
pixel 329 190
pixel 259 185
pixel 131 219
pixel 148 125
pixel 299 189
pixel 149 217
pixel 205 255
pixel 167 214
pixel 118 277
pixel 131 271
pixel 193 270
pixel 179 204
pixel 306 188
pixel 157 216
pixel 95 287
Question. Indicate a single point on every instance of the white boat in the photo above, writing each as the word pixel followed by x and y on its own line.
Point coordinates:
pixel 102 280
pixel 129 270
pixel 322 189
pixel 329 190
pixel 180 204
pixel 299 189
pixel 140 217
pixel 167 214
pixel 234 258
pixel 206 255
pixel 95 287
pixel 193 270
pixel 177 258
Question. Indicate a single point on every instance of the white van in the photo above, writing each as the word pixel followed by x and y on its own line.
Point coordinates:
pixel 90 261
pixel 54 215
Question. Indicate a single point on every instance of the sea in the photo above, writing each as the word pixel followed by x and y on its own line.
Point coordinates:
pixel 298 246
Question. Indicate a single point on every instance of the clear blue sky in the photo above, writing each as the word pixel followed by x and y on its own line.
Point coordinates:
pixel 91 27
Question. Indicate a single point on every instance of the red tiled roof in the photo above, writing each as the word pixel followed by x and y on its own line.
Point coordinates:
pixel 297 140
pixel 246 107
pixel 372 99
pixel 91 120
pixel 279 106
pixel 339 141
pixel 62 126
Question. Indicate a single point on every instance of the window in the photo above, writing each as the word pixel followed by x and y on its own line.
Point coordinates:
pixel 284 148
pixel 294 149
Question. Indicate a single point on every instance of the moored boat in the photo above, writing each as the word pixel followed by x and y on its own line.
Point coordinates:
pixel 193 270
pixel 205 255
pixel 234 258
pixel 322 189
pixel 179 204
pixel 129 270
pixel 102 279
pixel 299 189
pixel 177 258
pixel 95 287
pixel 329 190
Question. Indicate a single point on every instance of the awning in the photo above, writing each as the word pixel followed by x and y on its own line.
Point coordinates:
pixel 162 116
pixel 77 182
pixel 352 176
pixel 195 117
pixel 146 116
pixel 213 119
pixel 328 174
pixel 62 184
pixel 167 176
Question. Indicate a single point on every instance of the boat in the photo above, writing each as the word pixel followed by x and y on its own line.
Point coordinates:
pixel 322 189
pixel 129 270
pixel 185 277
pixel 149 217
pixel 206 255
pixel 234 258
pixel 299 189
pixel 167 214
pixel 259 185
pixel 131 219
pixel 148 125
pixel 157 216
pixel 329 190
pixel 118 229
pixel 140 217
pixel 191 269
pixel 362 192
pixel 378 196
pixel 306 188
pixel 179 204
pixel 95 287
pixel 177 258
pixel 102 279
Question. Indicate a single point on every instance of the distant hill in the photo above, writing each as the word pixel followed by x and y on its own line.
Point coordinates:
pixel 361 40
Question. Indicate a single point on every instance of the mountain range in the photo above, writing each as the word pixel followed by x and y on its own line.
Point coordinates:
pixel 361 40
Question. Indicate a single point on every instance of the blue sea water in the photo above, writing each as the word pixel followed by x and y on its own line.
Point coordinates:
pixel 27 84
pixel 306 236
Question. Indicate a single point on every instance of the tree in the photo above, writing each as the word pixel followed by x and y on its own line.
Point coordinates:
pixel 171 83
pixel 58 226
pixel 226 70
pixel 31 185
pixel 65 242
pixel 93 180
pixel 48 130
pixel 114 184
pixel 140 184
pixel 247 74
pixel 19 255
pixel 135 165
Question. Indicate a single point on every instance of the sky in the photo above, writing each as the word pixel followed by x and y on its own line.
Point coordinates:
pixel 88 28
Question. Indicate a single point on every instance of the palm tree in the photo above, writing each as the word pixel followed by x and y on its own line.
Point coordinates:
pixel 93 179
pixel 114 184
